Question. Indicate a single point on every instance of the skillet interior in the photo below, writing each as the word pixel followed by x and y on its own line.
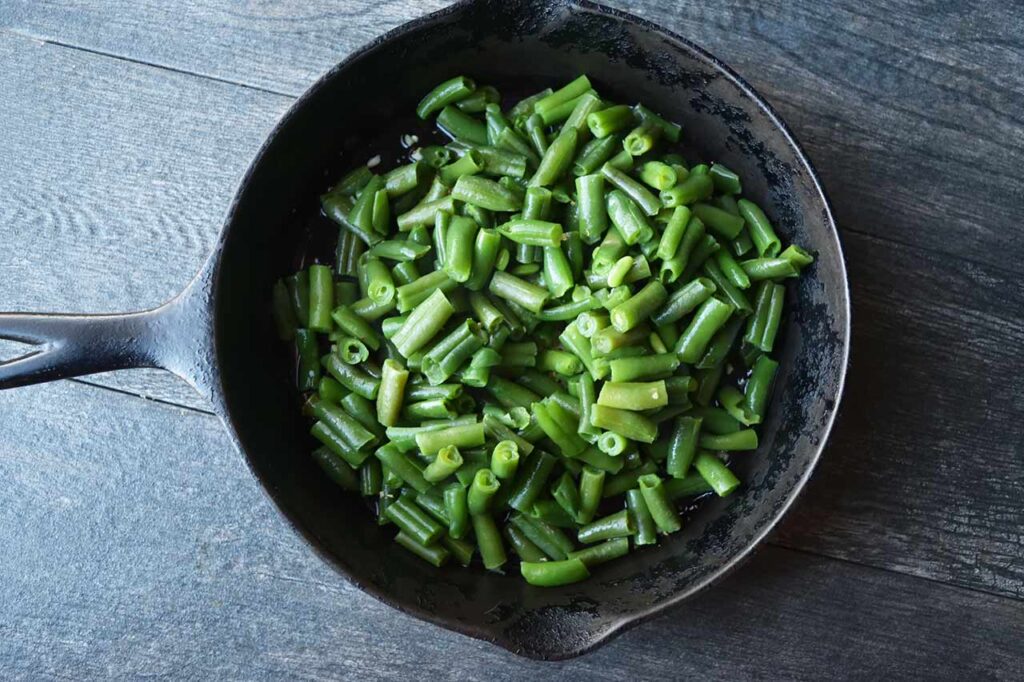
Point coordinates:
pixel 497 42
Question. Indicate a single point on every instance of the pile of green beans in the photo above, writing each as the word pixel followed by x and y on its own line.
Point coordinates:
pixel 540 337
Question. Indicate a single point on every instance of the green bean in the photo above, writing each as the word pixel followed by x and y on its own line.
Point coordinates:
pixel 370 478
pixel 361 214
pixel 352 378
pixel 609 339
pixel 321 298
pixel 665 516
pixel 721 343
pixel 798 256
pixel 354 181
pixel 567 497
pixel 708 319
pixel 557 271
pixel 481 492
pixel 530 481
pixel 485 254
pixel 307 349
pixel 627 218
pixel 549 539
pixel 659 366
pixel 470 163
pixel 330 390
pixel 457 509
pixel 523 354
pixel 400 250
pixel 682 446
pixel 594 154
pixel 568 92
pixel 761 231
pixel 759 269
pixel 689 191
pixel 586 104
pixel 413 521
pixel 641 139
pixel 612 443
pixel 516 290
pixel 728 291
pixel 459 125
pixel 722 223
pixel 740 440
pixel 658 175
pixel 617 525
pixel 622 160
pixel 509 394
pixel 646 530
pixel 423 213
pixel 435 555
pixel 505 459
pixel 759 387
pixel 380 211
pixel 633 396
pixel 522 545
pixel 725 180
pixel 554 573
pixel 448 92
pixel 485 193
pixel 476 101
pixel 668 129
pixel 556 160
pixel 633 189
pixel 532 232
pixel 423 323
pixel 336 468
pixel 689 254
pixel 593 215
pixel 461 436
pixel 362 410
pixel 559 362
pixel 617 273
pixel 459 240
pixel 672 237
pixel 630 313
pixel 535 131
pixel 488 541
pixel 399 463
pixel 717 475
pixel 564 436
pixel 569 311
pixel 625 423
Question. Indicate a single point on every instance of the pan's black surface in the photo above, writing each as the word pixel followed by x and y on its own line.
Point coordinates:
pixel 218 335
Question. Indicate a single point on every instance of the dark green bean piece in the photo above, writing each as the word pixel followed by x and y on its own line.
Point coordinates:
pixel 488 541
pixel 534 126
pixel 485 253
pixel 556 159
pixel 639 307
pixel 461 550
pixel 590 493
pixel 411 295
pixel 434 156
pixel 424 212
pixel 586 104
pixel 510 394
pixel 352 182
pixel 725 288
pixel 522 545
pixel 476 101
pixel 761 231
pixel 481 491
pixel 459 125
pixel 642 196
pixel 609 339
pixel 646 530
pixel 336 469
pixel 352 378
pixel 470 163
pixel 717 475
pixel 413 521
pixel 457 509
pixel 595 154
pixel 459 248
pixel 722 223
pixel 402 466
pixel 330 390
pixel 709 318
pixel 436 555
pixel 567 496
pixel 682 446
pixel 668 129
pixel 731 269
pixel 516 290
pixel 568 92
pixel 548 538
pixel 505 459
pixel 563 435
pixel 530 481
pixel 308 351
pixel 725 180
pixel 398 250
pixel 593 214
pixel 759 388
pixel 343 443
pixel 321 298
pixel 620 483
pixel 435 408
pixel 721 343
pixel 337 208
pixel 380 212
pixel 361 409
pixel 557 271
pixel 361 214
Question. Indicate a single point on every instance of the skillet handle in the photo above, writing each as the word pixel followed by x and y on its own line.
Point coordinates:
pixel 176 336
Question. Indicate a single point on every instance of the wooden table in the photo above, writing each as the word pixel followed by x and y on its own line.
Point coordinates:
pixel 135 542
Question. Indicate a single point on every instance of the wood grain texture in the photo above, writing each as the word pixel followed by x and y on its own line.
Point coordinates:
pixel 115 179
pixel 910 110
pixel 137 544
pixel 121 171
pixel 923 472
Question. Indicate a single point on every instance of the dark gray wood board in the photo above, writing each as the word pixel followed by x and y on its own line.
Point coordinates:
pixel 138 544
pixel 911 110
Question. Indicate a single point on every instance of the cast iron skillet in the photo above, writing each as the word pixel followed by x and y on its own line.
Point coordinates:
pixel 217 334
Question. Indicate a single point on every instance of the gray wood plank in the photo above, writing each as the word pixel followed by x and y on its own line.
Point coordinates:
pixel 114 181
pixel 112 211
pixel 138 544
pixel 911 112
pixel 923 473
